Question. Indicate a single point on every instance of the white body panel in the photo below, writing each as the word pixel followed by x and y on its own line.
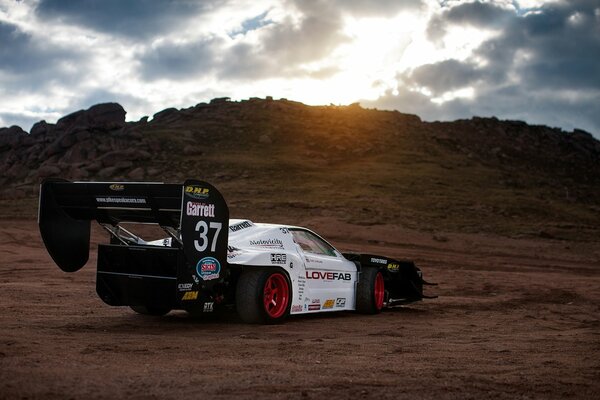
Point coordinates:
pixel 320 282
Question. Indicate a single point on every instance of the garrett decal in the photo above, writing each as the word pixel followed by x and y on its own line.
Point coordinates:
pixel 200 209
pixel 340 302
pixel 268 243
pixel 278 258
pixel 328 304
pixel 196 192
pixel 208 268
pixel 116 187
pixel 378 260
pixel 329 276
pixel 190 296
pixel 297 308
pixel 240 226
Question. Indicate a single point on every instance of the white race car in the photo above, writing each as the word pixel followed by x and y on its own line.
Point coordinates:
pixel 209 262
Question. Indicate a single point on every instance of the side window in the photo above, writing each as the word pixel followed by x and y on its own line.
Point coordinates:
pixel 312 244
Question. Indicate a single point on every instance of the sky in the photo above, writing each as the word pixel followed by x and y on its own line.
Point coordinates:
pixel 531 60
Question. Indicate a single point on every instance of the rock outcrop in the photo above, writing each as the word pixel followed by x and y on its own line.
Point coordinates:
pixel 480 169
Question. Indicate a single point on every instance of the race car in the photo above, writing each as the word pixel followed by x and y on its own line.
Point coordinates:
pixel 208 262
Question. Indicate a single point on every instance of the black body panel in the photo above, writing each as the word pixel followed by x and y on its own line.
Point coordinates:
pixel 138 275
pixel 403 279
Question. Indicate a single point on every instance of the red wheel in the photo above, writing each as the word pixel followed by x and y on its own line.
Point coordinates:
pixel 276 295
pixel 263 295
pixel 379 291
pixel 370 291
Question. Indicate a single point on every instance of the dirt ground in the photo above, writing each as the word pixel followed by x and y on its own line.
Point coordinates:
pixel 515 318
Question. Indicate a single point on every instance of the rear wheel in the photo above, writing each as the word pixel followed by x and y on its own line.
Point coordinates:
pixel 370 291
pixel 150 310
pixel 263 296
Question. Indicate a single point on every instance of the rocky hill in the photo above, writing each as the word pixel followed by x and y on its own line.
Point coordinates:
pixel 283 160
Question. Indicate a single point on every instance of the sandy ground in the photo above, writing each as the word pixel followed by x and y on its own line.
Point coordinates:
pixel 516 318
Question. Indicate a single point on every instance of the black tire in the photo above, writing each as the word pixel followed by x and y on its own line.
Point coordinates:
pixel 151 310
pixel 366 301
pixel 251 291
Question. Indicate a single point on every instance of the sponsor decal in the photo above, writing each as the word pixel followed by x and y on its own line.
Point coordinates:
pixel 285 231
pixel 316 301
pixel 291 265
pixel 393 267
pixel 200 209
pixel 167 242
pixel 297 308
pixel 240 226
pixel 268 243
pixel 340 302
pixel 208 307
pixel 329 276
pixel 313 260
pixel 313 307
pixel 208 268
pixel 120 200
pixel 328 304
pixel 233 254
pixel 378 260
pixel 278 258
pixel 116 187
pixel 184 287
pixel 196 192
pixel 190 295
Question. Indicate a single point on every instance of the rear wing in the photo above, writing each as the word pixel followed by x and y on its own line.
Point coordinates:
pixel 192 213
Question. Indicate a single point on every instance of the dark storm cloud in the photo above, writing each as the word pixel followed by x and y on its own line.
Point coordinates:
pixel 283 46
pixel 446 75
pixel 181 61
pixel 552 54
pixel 21 54
pixel 132 18
pixel 478 15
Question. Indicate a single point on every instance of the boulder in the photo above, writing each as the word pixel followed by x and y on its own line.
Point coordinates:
pixel 48 170
pixel 161 115
pixel 69 120
pixel 106 115
pixel 107 172
pixel 99 116
pixel 39 128
pixel 136 174
pixel 11 137
pixel 265 139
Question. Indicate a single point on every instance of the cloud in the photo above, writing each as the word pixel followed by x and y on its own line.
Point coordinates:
pixel 539 67
pixel 138 19
pixel 444 76
pixel 476 14
pixel 173 60
pixel 531 59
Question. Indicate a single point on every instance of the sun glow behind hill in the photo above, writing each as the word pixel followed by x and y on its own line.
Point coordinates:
pixel 57 57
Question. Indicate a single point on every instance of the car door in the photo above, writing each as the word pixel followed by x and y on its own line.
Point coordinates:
pixel 329 278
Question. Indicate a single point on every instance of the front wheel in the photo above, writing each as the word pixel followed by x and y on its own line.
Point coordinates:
pixel 370 291
pixel 263 296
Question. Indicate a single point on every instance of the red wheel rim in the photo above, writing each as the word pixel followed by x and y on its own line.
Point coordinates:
pixel 276 295
pixel 379 291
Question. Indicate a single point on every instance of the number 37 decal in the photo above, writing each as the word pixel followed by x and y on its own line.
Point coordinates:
pixel 203 234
